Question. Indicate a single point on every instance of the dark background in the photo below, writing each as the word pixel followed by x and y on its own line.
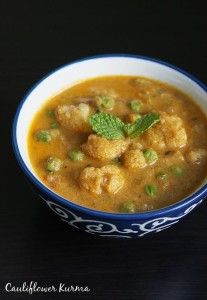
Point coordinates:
pixel 37 37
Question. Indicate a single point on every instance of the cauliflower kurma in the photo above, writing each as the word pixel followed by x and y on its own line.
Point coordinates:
pixel 121 144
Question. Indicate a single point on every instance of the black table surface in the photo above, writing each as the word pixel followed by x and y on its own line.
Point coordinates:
pixel 34 245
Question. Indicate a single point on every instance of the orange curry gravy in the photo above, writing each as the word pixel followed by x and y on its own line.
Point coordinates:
pixel 178 140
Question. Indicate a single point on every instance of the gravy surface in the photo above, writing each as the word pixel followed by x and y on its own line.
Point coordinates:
pixel 180 167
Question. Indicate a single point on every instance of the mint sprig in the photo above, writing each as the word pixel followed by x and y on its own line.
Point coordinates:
pixel 113 128
pixel 108 126
pixel 142 124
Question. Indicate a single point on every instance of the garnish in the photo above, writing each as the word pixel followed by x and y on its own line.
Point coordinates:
pixel 113 128
pixel 142 124
pixel 108 126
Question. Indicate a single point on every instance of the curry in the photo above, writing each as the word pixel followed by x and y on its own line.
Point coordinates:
pixel 120 144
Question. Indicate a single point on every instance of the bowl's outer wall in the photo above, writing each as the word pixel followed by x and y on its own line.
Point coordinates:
pixel 105 226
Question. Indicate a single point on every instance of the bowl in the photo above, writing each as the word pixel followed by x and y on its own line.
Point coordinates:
pixel 89 220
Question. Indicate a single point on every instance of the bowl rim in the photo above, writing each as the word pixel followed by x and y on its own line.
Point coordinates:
pixel 193 199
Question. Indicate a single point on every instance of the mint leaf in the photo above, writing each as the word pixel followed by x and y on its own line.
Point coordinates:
pixel 128 129
pixel 141 125
pixel 113 128
pixel 108 126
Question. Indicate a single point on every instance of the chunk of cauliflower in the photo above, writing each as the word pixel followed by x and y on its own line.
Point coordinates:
pixel 134 158
pixel 105 179
pixel 74 117
pixel 103 149
pixel 168 134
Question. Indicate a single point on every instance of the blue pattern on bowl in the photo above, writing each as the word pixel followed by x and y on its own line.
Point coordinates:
pixel 116 228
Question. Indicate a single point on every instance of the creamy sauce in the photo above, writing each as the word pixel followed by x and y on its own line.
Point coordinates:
pixel 155 96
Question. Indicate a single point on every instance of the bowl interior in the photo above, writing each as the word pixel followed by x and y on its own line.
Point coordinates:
pixel 94 67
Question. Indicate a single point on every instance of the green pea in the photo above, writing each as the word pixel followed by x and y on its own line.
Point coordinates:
pixel 54 125
pixel 177 171
pixel 43 136
pixel 106 102
pixel 151 190
pixel 76 155
pixel 53 164
pixel 161 175
pixel 135 105
pixel 51 113
pixel 127 207
pixel 150 155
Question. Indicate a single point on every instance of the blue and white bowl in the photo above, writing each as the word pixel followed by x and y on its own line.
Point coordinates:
pixel 92 221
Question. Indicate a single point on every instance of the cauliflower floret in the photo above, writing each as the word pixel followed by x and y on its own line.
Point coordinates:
pixel 74 117
pixel 103 149
pixel 134 159
pixel 113 179
pixel 168 134
pixel 91 179
pixel 196 156
pixel 106 179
